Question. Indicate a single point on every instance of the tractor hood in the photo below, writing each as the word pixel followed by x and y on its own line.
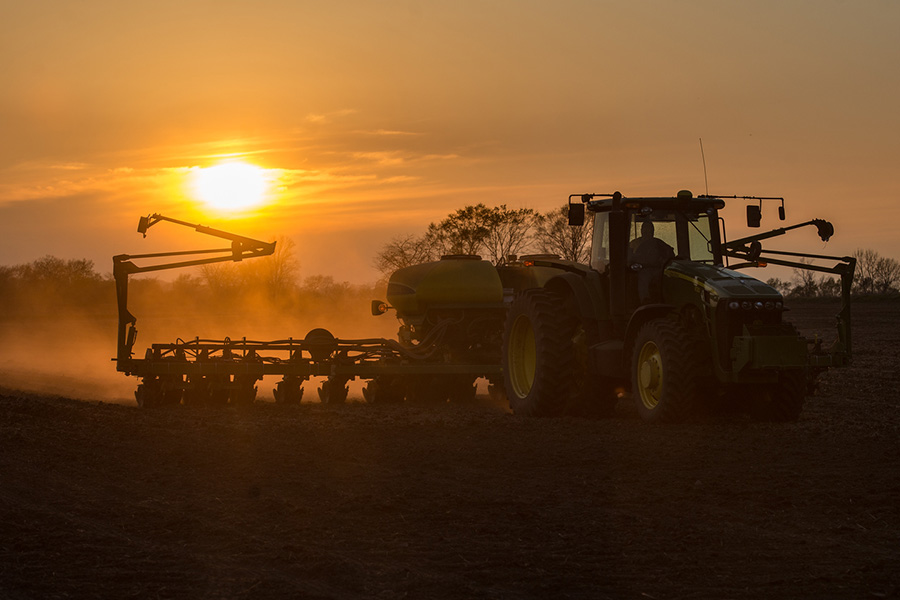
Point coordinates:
pixel 719 281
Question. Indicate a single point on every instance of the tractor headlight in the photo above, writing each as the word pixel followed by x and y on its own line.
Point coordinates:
pixel 746 305
pixel 770 305
pixel 734 305
pixel 758 305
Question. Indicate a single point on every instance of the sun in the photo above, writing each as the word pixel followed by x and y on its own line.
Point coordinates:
pixel 231 186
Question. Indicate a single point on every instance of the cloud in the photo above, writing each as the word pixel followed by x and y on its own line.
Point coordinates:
pixel 388 132
pixel 323 118
pixel 74 166
pixel 383 158
pixel 392 158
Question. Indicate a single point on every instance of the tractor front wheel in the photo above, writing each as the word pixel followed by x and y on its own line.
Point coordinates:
pixel 664 371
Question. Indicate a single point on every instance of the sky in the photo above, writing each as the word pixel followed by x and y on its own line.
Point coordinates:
pixel 373 119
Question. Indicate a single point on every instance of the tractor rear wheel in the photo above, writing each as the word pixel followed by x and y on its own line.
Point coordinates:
pixel 664 371
pixel 537 354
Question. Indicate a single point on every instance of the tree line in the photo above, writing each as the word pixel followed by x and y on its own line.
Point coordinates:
pixel 875 275
pixel 51 284
pixel 496 233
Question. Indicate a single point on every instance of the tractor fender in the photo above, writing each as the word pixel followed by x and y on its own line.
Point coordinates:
pixel 638 318
pixel 575 287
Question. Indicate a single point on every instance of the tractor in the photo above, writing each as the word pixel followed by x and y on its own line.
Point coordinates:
pixel 657 313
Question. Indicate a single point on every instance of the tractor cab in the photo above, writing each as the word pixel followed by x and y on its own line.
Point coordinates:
pixel 635 239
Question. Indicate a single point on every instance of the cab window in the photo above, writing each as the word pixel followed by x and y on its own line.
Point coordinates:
pixel 600 243
pixel 663 228
pixel 699 235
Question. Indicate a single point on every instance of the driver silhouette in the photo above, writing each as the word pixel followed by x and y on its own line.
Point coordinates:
pixel 648 250
pixel 652 254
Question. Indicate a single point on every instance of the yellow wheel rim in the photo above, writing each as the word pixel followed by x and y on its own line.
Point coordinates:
pixel 650 375
pixel 522 356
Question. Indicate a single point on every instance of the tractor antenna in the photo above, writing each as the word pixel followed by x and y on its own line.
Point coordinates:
pixel 703 157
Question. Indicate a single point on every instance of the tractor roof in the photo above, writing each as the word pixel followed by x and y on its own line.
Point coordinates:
pixel 684 200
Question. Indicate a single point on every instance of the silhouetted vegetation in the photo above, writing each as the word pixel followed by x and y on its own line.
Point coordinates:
pixel 52 285
pixel 495 233
pixel 554 235
pixel 498 232
pixel 875 275
pixel 271 285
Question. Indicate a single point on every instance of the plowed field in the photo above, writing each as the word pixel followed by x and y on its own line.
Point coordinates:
pixel 101 500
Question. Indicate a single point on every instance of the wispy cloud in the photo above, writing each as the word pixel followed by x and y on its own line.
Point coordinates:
pixel 388 133
pixel 74 166
pixel 328 117
pixel 383 158
pixel 392 158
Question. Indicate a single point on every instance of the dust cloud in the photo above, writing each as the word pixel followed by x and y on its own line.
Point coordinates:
pixel 59 345
pixel 63 355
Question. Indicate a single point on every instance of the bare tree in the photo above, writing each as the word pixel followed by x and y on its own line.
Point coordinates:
pixel 403 251
pixel 59 271
pixel 221 278
pixel 52 282
pixel 829 286
pixel 509 232
pixel 806 285
pixel 277 273
pixel 324 286
pixel 556 236
pixel 783 287
pixel 462 232
pixel 875 274
pixel 495 232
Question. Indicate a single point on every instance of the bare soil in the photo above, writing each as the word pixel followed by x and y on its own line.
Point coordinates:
pixel 101 500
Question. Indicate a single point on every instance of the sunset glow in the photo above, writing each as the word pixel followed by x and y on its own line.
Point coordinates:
pixel 230 186
pixel 115 109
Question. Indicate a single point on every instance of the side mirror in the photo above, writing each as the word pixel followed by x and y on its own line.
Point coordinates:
pixel 754 216
pixel 143 225
pixel 576 215
pixel 781 212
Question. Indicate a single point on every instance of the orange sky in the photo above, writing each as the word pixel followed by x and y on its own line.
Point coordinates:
pixel 380 117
